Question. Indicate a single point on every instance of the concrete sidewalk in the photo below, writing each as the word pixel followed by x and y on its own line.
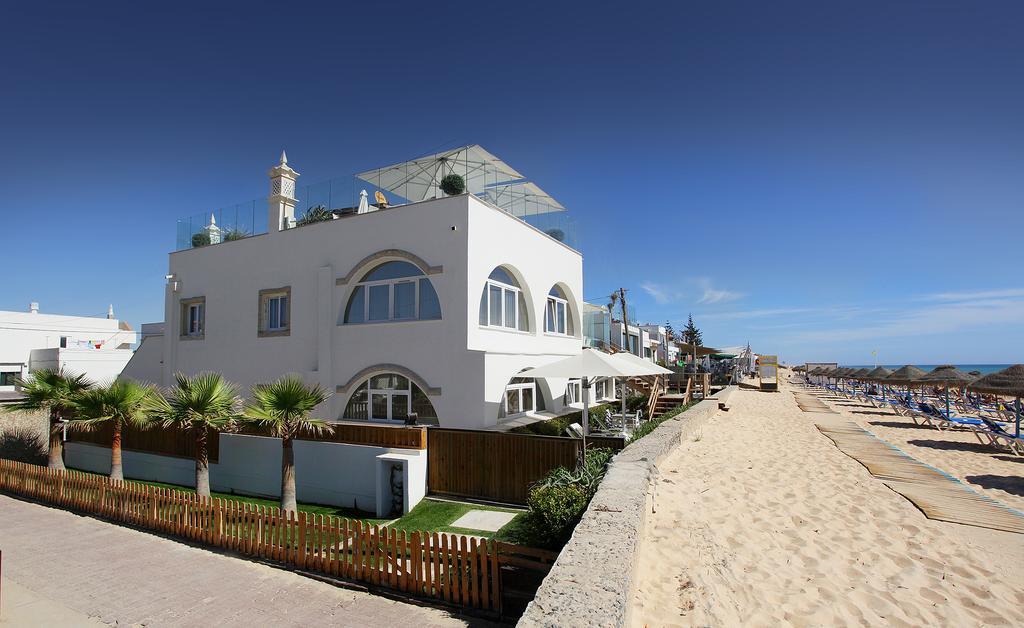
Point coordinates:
pixel 61 569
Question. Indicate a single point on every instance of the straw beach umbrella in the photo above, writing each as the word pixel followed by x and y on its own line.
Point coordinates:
pixel 878 374
pixel 947 375
pixel 1009 382
pixel 905 375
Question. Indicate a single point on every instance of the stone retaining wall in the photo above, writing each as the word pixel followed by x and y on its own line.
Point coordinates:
pixel 590 583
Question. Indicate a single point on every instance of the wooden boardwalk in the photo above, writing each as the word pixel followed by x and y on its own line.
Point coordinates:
pixel 938 495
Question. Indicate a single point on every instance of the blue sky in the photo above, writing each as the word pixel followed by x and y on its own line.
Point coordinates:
pixel 821 179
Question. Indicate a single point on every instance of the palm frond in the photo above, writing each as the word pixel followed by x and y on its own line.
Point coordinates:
pixel 283 406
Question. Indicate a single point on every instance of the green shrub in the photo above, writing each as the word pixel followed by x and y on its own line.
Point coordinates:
pixel 649 426
pixel 314 215
pixel 200 239
pixel 453 185
pixel 557 508
pixel 558 500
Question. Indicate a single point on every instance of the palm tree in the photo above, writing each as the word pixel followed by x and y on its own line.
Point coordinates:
pixel 123 403
pixel 52 390
pixel 283 407
pixel 200 404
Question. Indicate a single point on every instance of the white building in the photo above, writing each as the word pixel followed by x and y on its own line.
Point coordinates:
pixel 423 303
pixel 95 346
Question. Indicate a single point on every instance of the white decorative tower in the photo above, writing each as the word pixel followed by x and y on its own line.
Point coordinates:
pixel 281 203
pixel 213 231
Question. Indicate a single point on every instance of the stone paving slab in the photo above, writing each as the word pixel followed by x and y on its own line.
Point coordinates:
pixel 117 575
pixel 488 520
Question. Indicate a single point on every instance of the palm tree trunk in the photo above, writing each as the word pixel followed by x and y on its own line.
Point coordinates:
pixel 116 472
pixel 56 458
pixel 287 475
pixel 202 463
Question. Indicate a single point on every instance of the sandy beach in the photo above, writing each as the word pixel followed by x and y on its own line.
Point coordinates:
pixel 761 521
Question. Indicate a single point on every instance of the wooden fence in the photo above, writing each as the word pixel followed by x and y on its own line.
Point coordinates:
pixel 498 466
pixel 455 569
pixel 173 441
pixel 169 441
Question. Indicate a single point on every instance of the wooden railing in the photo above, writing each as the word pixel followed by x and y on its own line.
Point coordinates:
pixel 452 568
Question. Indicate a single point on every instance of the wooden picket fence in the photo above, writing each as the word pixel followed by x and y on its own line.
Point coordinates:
pixel 452 568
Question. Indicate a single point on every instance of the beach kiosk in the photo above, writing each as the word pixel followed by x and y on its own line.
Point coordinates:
pixel 768 372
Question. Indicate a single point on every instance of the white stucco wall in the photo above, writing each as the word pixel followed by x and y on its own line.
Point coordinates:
pixel 451 355
pixel 326 473
pixel 33 340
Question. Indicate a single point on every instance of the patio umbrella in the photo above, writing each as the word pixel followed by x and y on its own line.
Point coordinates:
pixel 1009 382
pixel 643 367
pixel 948 375
pixel 592 363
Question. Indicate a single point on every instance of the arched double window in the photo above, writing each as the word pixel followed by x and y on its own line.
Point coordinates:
pixel 390 397
pixel 502 303
pixel 557 314
pixel 393 291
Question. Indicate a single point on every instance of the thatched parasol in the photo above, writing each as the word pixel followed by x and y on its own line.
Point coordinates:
pixel 908 374
pixel 860 373
pixel 1009 382
pixel 878 373
pixel 947 375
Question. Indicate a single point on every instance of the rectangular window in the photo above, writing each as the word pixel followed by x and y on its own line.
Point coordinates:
pixel 549 317
pixel 378 306
pixel 193 317
pixel 510 309
pixel 275 312
pixel 405 300
pixel 8 378
pixel 512 401
pixel 495 300
pixel 561 317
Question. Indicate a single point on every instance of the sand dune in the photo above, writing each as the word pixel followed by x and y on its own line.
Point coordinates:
pixel 762 521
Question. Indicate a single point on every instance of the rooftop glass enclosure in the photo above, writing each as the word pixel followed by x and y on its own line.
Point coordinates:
pixel 483 175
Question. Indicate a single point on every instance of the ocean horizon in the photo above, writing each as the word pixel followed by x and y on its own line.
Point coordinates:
pixel 985 369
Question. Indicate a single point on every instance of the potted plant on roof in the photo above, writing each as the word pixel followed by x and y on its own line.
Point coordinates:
pixel 453 184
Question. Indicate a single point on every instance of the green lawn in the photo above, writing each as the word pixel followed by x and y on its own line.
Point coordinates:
pixel 438 515
pixel 317 509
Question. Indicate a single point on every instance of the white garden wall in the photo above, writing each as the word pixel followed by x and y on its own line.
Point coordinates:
pixel 326 473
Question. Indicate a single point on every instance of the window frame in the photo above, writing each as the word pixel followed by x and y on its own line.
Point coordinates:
pixel 185 311
pixel 391 284
pixel 389 394
pixel 518 389
pixel 264 329
pixel 506 289
pixel 561 318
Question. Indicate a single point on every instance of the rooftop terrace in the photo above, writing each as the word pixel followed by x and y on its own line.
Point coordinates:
pixel 482 174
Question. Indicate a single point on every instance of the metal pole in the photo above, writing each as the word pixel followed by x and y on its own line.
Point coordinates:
pixel 586 413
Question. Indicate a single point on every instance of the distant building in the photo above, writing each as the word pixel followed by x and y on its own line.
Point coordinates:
pixel 95 346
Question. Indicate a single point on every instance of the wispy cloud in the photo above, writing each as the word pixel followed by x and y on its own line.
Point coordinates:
pixel 661 294
pixel 1007 293
pixel 941 318
pixel 713 295
pixel 704 294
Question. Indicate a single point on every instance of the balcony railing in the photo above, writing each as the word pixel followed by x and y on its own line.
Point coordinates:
pixel 341 196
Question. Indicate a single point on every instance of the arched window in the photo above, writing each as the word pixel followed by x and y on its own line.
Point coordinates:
pixel 502 303
pixel 521 395
pixel 393 291
pixel 557 314
pixel 390 397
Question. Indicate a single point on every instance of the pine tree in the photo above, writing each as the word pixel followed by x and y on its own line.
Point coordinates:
pixel 691 334
pixel 670 331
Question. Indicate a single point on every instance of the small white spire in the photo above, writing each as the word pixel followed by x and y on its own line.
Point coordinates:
pixel 213 221
pixel 110 311
pixel 284 158
pixel 364 205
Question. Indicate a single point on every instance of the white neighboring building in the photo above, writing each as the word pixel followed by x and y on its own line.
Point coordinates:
pixel 432 306
pixel 91 345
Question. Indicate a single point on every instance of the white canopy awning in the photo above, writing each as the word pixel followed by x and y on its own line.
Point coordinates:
pixel 485 176
pixel 594 363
